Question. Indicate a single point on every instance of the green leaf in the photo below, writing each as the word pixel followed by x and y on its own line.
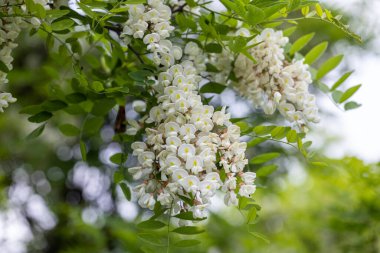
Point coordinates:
pixel 301 43
pixel 315 53
pixel 349 93
pixel 211 68
pixel 76 98
pixel 31 109
pixel 351 105
pixel 62 25
pixel 260 236
pixel 97 86
pixel 255 141
pixel 36 132
pixel 151 224
pixel 3 67
pixel 93 125
pixel 54 14
pixel 291 137
pixel 139 75
pixel 151 239
pixel 69 130
pixel 263 130
pixel 213 48
pixel 191 3
pixel 212 87
pixel 252 213
pixel 103 106
pixel 186 243
pixel 83 150
pixel 254 15
pixel 328 66
pixel 188 216
pixel 336 95
pixel 264 158
pixel 118 177
pixel 289 31
pixel 341 80
pixel 188 230
pixel 266 170
pixel 40 117
pixel 279 132
pixel 127 193
pixel 54 105
pixel 118 158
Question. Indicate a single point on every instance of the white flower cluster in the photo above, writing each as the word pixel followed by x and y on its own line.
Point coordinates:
pixel 188 149
pixel 151 23
pixel 10 27
pixel 5 100
pixel 273 83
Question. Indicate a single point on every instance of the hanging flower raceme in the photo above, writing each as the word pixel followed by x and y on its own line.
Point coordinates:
pixel 274 83
pixel 10 27
pixel 191 151
pixel 151 23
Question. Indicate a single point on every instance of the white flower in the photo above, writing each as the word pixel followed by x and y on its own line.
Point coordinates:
pixel 172 143
pixel 136 172
pixel 5 100
pixel 186 150
pixel 208 188
pixel 188 132
pixel 248 177
pixel 179 174
pixel 146 158
pixel 244 32
pixel 133 127
pixel 199 211
pixel 165 198
pixel 138 147
pixel 171 129
pixel 230 184
pixel 147 201
pixel 139 106
pixel 230 199
pixel 192 48
pixel 190 183
pixel 247 190
pixel 151 38
pixel 194 164
pixel 220 118
pixel 156 114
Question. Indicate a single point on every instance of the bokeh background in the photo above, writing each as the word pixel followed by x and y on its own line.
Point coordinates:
pixel 51 201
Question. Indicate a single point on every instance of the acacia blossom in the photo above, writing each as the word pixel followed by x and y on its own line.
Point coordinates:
pixel 10 27
pixel 190 151
pixel 274 83
pixel 151 23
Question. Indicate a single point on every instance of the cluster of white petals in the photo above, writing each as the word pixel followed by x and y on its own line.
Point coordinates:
pixel 274 83
pixel 191 150
pixel 5 100
pixel 10 27
pixel 151 23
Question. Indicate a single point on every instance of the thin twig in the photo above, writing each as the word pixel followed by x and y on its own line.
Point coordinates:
pixel 136 53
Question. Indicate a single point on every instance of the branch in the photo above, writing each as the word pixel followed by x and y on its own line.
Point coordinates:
pixel 136 53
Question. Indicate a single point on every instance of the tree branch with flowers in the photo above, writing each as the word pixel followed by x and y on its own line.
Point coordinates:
pixel 166 58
